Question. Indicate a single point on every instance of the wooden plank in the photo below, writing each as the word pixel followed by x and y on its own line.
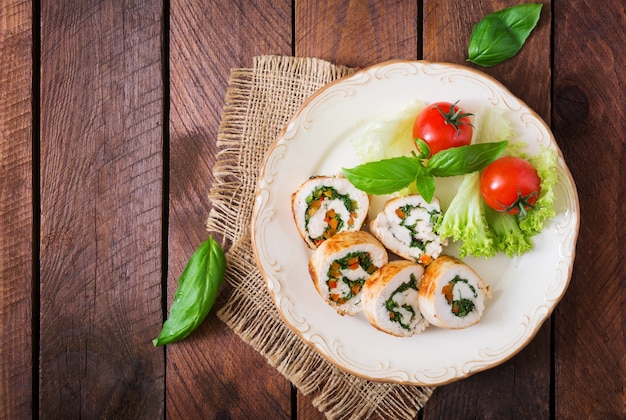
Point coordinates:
pixel 213 373
pixel 356 34
pixel 16 209
pixel 101 194
pixel 589 122
pixel 521 386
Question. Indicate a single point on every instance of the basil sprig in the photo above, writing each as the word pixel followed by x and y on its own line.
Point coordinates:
pixel 390 175
pixel 197 289
pixel 384 176
pixel 500 35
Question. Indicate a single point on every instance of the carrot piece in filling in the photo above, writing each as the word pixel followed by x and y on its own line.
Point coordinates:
pixel 426 259
pixel 447 292
pixel 353 263
pixel 356 288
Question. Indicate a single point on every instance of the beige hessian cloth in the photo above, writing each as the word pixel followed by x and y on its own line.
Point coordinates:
pixel 259 102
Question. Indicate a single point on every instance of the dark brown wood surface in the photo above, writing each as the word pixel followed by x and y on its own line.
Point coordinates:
pixel 109 112
pixel 101 153
pixel 589 118
pixel 17 258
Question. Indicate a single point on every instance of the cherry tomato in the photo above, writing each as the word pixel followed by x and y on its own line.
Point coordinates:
pixel 510 185
pixel 443 125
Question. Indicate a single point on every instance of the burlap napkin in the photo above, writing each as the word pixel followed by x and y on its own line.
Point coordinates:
pixel 259 102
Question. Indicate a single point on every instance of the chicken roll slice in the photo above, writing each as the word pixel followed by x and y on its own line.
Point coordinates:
pixel 451 294
pixel 340 266
pixel 406 227
pixel 324 205
pixel 390 298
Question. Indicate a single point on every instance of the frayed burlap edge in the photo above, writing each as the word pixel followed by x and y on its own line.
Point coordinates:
pixel 259 101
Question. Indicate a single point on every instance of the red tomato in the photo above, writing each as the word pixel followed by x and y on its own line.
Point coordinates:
pixel 443 125
pixel 510 185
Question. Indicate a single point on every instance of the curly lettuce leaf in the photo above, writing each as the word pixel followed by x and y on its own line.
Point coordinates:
pixel 465 221
pixel 545 164
pixel 508 237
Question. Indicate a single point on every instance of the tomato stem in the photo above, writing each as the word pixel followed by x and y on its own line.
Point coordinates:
pixel 522 203
pixel 454 117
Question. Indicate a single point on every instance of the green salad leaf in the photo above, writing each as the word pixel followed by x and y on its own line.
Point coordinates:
pixel 464 220
pixel 386 137
pixel 545 164
pixel 500 35
pixel 507 235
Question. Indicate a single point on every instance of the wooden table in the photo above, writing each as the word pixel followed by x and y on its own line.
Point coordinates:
pixel 109 112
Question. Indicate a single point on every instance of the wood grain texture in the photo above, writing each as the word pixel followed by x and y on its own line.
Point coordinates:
pixel 101 194
pixel 589 122
pixel 213 373
pixel 356 33
pixel 521 386
pixel 16 209
pixel 305 409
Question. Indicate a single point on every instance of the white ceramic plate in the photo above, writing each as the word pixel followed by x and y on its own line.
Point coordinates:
pixel 525 289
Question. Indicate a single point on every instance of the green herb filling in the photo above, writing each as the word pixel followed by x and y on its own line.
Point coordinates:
pixel 404 213
pixel 351 261
pixel 334 221
pixel 463 306
pixel 392 306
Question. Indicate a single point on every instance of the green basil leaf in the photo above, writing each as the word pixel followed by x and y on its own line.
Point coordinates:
pixel 423 148
pixel 197 289
pixel 384 176
pixel 425 184
pixel 500 35
pixel 464 159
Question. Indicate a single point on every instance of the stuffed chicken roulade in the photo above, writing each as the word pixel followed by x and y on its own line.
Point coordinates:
pixel 340 266
pixel 451 294
pixel 389 298
pixel 406 227
pixel 324 206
